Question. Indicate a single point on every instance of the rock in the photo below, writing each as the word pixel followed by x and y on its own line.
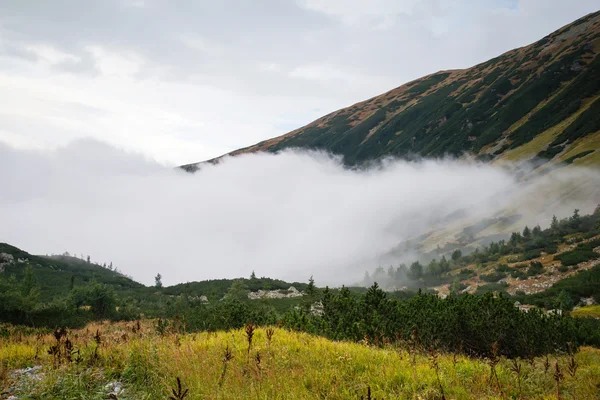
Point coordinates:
pixel 275 294
pixel 29 372
pixel 588 301
pixel 317 308
pixel 115 388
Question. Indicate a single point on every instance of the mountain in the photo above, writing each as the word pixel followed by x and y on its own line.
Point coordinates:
pixel 54 273
pixel 539 100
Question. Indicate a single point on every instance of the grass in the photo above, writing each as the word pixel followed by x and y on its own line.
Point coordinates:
pixel 588 143
pixel 587 311
pixel 290 365
pixel 535 145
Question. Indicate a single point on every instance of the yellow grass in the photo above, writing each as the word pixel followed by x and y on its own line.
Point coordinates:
pixel 587 311
pixel 292 366
pixel 534 146
pixel 589 142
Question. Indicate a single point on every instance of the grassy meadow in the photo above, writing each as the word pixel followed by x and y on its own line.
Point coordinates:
pixel 587 311
pixel 274 364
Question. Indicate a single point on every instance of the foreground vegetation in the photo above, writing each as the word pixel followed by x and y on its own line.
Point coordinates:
pixel 139 361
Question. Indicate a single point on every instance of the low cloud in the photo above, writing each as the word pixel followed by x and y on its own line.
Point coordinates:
pixel 287 216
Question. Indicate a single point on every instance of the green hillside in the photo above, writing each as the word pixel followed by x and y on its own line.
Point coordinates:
pixel 54 274
pixel 540 100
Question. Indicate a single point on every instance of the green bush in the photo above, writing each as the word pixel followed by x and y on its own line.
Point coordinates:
pixel 493 277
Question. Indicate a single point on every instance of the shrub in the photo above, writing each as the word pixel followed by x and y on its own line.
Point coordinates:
pixel 536 268
pixel 493 277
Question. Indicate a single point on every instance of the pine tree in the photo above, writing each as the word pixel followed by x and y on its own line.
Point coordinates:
pixel 415 271
pixel 564 301
pixel 311 289
pixel 575 219
pixel 456 255
pixel 28 284
pixel 554 224
pixel 158 281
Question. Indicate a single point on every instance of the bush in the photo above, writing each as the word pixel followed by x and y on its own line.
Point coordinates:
pixel 528 255
pixel 563 268
pixel 467 323
pixel 575 257
pixel 493 277
pixel 536 268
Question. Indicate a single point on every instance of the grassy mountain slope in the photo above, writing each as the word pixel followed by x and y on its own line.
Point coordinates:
pixel 539 100
pixel 53 274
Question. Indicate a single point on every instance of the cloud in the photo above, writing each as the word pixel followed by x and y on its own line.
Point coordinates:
pixel 285 216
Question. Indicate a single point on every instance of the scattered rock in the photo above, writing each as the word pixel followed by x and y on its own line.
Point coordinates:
pixel 28 373
pixel 275 294
pixel 114 388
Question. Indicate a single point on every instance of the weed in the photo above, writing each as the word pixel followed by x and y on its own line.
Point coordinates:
pixel 270 332
pixel 180 393
pixel 3 373
pixel 517 368
pixel 98 337
pixel 572 365
pixel 61 350
pixel 369 397
pixel 95 357
pixel 257 360
pixel 558 377
pixel 227 357
pixel 493 361
pixel 162 326
pixel 249 334
pixel 434 358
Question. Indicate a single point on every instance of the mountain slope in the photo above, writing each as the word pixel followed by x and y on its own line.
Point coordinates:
pixel 54 274
pixel 539 100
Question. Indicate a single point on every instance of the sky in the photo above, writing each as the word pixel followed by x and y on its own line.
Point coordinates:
pixel 184 81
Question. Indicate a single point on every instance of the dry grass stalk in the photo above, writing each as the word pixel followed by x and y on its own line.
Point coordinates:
pixel 558 377
pixel 517 368
pixel 493 362
pixel 227 357
pixel 179 393
pixel 249 334
pixel 270 332
pixel 434 358
pixel 572 365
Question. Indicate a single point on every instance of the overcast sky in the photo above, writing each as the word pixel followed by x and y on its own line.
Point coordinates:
pixel 183 81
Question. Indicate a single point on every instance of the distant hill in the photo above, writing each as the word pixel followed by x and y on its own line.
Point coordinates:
pixel 539 100
pixel 53 274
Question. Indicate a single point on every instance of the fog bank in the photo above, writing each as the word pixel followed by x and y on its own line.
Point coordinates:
pixel 286 216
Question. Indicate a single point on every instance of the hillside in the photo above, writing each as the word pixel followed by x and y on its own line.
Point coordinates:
pixel 539 100
pixel 54 274
pixel 535 266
